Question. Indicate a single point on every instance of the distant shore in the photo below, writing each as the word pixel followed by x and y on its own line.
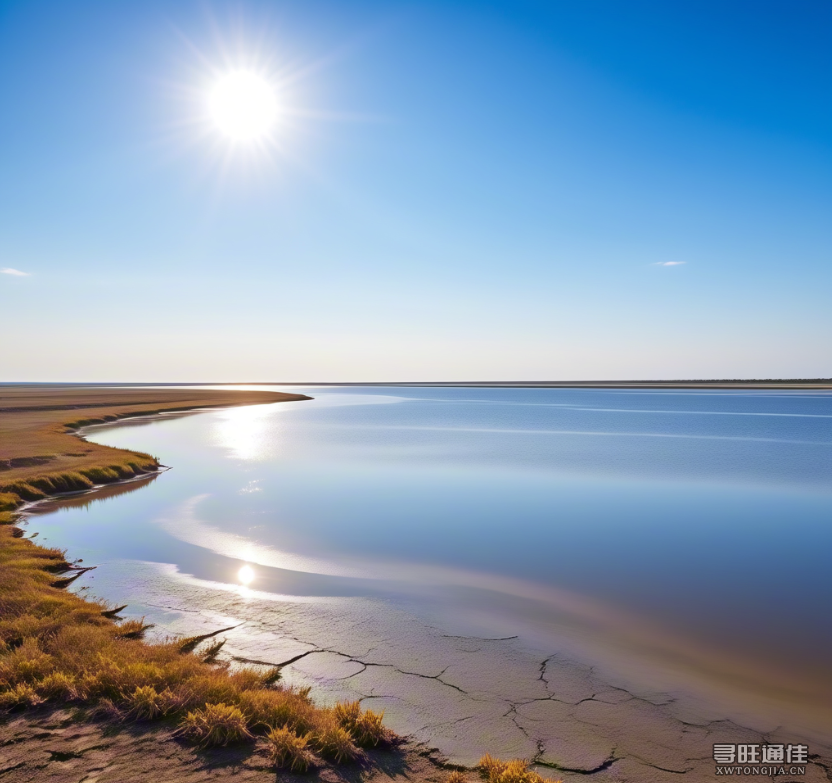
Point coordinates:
pixel 766 383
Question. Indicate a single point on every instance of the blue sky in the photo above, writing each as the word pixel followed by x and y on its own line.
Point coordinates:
pixel 459 191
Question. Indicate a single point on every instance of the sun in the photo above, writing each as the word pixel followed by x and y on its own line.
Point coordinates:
pixel 246 575
pixel 243 106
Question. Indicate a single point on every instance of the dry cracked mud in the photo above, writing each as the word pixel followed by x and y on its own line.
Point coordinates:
pixel 461 695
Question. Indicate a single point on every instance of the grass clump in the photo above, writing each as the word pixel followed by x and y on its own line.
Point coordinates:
pixel 279 708
pixel 515 771
pixel 24 491
pixel 21 695
pixel 365 727
pixel 212 650
pixel 455 777
pixel 102 475
pixel 216 724
pixel 289 750
pixel 8 501
pixel 334 742
pixel 146 703
pixel 61 687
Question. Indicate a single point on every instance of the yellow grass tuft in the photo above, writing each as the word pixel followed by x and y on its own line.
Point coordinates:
pixel 516 771
pixel 216 724
pixel 287 749
pixel 8 501
pixel 455 777
pixel 278 708
pixel 21 695
pixel 365 727
pixel 146 703
pixel 334 742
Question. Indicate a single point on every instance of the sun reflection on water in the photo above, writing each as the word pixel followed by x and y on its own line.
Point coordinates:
pixel 243 432
pixel 246 575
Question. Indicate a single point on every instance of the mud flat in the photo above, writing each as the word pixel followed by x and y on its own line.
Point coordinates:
pixel 464 694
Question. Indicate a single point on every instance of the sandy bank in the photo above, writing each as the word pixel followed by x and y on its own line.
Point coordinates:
pixel 40 455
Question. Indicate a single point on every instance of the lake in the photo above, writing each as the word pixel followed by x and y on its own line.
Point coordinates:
pixel 678 539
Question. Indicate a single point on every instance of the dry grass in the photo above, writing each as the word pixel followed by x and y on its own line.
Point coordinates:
pixel 287 749
pixel 334 742
pixel 216 724
pixel 364 726
pixel 515 771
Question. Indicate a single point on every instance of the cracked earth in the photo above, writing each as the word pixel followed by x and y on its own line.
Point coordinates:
pixel 51 747
pixel 461 695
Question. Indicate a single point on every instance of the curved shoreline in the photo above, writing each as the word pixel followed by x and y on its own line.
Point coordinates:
pixel 598 771
pixel 38 460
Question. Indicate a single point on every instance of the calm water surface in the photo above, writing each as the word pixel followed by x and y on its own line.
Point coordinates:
pixel 699 519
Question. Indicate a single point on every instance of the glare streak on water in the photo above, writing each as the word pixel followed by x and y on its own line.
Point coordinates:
pixel 636 410
pixel 622 434
pixel 710 522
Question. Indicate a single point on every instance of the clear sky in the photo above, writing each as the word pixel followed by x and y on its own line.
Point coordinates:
pixel 449 191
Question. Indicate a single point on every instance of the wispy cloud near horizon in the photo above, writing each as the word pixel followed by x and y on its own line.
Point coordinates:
pixel 16 272
pixel 669 263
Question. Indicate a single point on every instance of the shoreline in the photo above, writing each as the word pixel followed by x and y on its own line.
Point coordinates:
pixel 40 455
pixel 597 768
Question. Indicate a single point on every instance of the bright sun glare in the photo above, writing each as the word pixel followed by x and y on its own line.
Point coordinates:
pixel 246 575
pixel 243 106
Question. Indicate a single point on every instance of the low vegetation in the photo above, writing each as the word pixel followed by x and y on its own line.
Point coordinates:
pixel 515 771
pixel 497 771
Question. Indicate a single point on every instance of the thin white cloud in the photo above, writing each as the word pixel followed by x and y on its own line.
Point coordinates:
pixel 16 272
pixel 669 263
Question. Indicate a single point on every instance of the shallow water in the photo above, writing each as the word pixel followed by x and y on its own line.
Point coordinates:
pixel 694 525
